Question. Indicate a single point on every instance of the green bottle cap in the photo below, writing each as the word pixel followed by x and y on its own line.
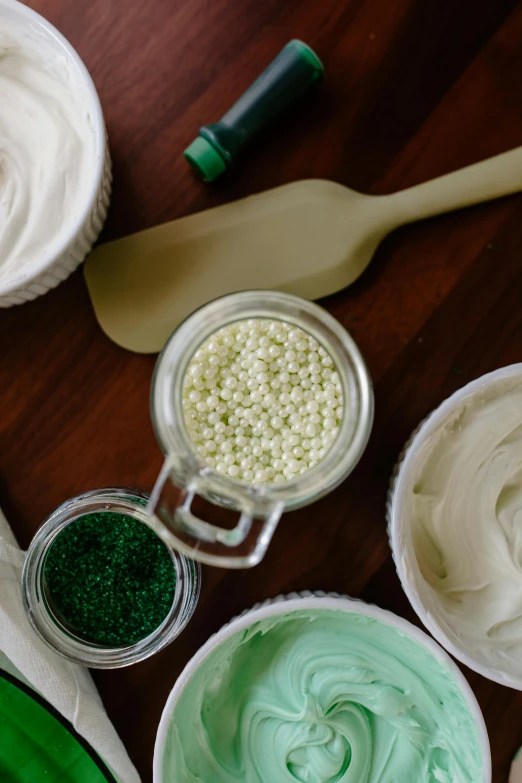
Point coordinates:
pixel 206 160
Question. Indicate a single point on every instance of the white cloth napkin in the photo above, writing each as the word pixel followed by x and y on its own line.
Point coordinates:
pixel 67 686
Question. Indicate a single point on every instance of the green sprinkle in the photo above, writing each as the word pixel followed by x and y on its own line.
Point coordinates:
pixel 110 579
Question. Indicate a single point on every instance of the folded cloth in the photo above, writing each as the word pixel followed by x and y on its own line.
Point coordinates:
pixel 515 776
pixel 67 686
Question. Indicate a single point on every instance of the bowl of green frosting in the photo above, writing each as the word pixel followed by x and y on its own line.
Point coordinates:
pixel 321 689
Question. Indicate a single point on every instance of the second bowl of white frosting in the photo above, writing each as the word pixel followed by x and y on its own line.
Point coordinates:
pixel 455 516
pixel 54 161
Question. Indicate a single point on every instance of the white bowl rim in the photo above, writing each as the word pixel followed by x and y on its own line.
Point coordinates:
pixel 397 520
pixel 27 14
pixel 284 605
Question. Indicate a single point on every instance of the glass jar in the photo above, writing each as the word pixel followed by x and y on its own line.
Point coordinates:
pixel 48 625
pixel 259 507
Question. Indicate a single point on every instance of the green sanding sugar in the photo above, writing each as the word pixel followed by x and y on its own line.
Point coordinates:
pixel 110 578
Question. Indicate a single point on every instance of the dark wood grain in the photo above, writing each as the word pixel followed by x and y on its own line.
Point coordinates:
pixel 414 89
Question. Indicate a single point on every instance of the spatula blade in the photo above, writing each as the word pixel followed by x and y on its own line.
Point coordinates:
pixel 307 238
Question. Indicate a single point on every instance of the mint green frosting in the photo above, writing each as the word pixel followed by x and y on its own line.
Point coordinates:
pixel 322 696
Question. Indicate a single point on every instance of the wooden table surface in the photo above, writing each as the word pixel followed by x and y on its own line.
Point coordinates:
pixel 414 89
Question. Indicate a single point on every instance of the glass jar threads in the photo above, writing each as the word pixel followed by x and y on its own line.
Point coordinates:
pixel 101 587
pixel 267 347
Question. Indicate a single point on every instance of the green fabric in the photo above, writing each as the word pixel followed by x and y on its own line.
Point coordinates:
pixel 36 747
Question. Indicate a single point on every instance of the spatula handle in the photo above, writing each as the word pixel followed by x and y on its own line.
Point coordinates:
pixel 489 179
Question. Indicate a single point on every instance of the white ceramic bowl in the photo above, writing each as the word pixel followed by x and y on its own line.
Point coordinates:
pixel 299 602
pixel 423 600
pixel 79 239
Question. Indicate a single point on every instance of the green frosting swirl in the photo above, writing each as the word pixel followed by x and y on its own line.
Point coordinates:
pixel 322 696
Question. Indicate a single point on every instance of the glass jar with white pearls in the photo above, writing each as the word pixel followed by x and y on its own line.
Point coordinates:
pixel 262 403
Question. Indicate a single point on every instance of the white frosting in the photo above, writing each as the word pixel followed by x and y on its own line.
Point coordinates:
pixel 47 146
pixel 466 516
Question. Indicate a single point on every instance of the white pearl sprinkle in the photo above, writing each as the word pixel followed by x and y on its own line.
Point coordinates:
pixel 262 401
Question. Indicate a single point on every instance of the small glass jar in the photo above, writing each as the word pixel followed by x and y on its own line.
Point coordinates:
pixel 48 625
pixel 259 507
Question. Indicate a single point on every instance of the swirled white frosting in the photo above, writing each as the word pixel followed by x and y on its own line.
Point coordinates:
pixel 466 512
pixel 47 146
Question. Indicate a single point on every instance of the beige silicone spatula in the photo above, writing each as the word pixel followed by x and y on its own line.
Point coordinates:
pixel 310 238
pixel 515 775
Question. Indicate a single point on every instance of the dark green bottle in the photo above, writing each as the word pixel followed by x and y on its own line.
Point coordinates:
pixel 295 69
